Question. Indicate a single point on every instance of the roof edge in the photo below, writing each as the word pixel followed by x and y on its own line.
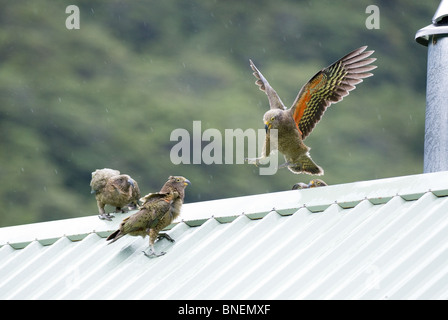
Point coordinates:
pixel 347 195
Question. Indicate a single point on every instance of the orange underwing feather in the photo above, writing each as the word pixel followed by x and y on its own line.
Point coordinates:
pixel 330 85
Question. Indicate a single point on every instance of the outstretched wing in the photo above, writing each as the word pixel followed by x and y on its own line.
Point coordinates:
pixel 274 100
pixel 329 86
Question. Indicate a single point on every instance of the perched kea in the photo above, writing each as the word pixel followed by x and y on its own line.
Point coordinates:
pixel 157 212
pixel 293 125
pixel 115 189
pixel 312 184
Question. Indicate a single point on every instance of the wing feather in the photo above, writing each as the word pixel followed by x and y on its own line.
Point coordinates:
pixel 330 85
pixel 274 100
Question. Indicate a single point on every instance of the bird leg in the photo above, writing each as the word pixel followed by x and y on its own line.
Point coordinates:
pixel 103 215
pixel 258 161
pixel 166 236
pixel 119 209
pixel 284 165
pixel 151 252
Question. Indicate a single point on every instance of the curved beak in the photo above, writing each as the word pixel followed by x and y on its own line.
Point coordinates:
pixel 187 182
pixel 267 126
pixel 131 182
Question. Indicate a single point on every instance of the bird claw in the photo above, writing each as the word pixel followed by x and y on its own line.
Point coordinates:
pixel 257 162
pixel 153 254
pixel 284 165
pixel 166 236
pixel 106 216
pixel 254 161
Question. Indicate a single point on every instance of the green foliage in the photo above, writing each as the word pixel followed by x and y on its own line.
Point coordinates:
pixel 111 93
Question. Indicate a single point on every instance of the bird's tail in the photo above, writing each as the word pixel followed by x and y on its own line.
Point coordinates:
pixel 306 165
pixel 114 236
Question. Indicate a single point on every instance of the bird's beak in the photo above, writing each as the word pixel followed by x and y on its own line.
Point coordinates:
pixel 131 182
pixel 187 182
pixel 267 126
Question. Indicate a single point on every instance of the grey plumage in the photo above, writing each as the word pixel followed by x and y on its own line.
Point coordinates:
pixel 113 188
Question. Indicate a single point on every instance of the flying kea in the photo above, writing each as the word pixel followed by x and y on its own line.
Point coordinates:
pixel 330 85
pixel 115 189
pixel 158 210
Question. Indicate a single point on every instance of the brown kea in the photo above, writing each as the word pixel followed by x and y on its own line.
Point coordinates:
pixel 156 213
pixel 115 189
pixel 293 125
pixel 315 183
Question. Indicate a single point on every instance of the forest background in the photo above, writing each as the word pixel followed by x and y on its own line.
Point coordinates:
pixel 110 93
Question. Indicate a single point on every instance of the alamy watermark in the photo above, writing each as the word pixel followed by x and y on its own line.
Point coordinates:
pixel 373 20
pixel 73 20
pixel 212 147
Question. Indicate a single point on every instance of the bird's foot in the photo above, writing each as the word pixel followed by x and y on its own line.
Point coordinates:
pixel 106 216
pixel 284 165
pixel 258 162
pixel 152 254
pixel 166 236
pixel 255 161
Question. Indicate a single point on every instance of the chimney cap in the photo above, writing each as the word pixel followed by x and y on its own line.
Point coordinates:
pixel 422 35
pixel 439 24
pixel 441 13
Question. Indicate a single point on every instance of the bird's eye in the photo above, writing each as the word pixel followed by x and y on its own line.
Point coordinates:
pixel 178 180
pixel 272 119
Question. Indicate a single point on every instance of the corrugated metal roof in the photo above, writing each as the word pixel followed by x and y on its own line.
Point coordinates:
pixel 379 239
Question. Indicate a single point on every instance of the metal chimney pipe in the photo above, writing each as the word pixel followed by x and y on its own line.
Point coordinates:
pixel 435 37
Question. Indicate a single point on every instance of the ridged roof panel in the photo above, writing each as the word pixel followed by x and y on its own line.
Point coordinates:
pixel 380 239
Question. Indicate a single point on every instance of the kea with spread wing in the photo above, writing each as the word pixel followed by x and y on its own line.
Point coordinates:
pixel 158 210
pixel 293 125
pixel 115 189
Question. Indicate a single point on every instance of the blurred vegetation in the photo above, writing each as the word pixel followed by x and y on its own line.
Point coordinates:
pixel 111 93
